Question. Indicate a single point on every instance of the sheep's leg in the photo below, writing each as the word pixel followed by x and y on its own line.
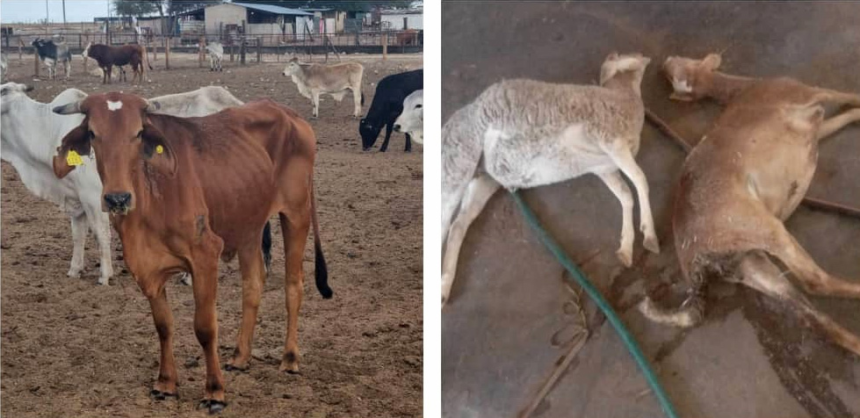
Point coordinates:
pixel 759 273
pixel 620 154
pixel 619 188
pixel 478 192
pixel 812 277
pixel 829 126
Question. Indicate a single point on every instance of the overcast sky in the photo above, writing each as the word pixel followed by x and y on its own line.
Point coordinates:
pixel 31 11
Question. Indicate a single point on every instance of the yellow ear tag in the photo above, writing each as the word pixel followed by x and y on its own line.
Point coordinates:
pixel 73 159
pixel 159 149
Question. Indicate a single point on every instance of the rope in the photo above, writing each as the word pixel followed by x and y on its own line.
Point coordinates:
pixel 604 306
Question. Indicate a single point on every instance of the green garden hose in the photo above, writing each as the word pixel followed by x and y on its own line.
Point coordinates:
pixel 604 306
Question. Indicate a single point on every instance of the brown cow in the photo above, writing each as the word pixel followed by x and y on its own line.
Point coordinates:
pixel 183 192
pixel 110 56
pixel 407 37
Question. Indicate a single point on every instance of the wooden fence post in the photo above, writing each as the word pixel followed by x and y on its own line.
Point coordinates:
pixel 36 62
pixel 231 51
pixel 201 53
pixel 167 53
pixel 259 50
pixel 385 45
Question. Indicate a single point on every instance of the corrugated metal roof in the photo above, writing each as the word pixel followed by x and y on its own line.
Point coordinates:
pixel 278 10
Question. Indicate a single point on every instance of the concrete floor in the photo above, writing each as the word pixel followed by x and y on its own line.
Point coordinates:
pixel 507 323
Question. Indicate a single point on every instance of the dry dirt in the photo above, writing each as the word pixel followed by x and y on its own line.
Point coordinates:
pixel 73 348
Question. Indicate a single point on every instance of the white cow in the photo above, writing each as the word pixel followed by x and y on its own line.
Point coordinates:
pixel 216 53
pixel 31 134
pixel 315 79
pixel 411 120
pixel 3 66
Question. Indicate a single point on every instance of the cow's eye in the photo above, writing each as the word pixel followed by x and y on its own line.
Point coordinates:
pixel 418 106
pixel 140 133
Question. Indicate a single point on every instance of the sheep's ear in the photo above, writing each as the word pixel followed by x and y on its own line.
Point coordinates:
pixel 711 62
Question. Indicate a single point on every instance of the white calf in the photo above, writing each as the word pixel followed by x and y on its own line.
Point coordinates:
pixel 315 79
pixel 411 121
pixel 216 53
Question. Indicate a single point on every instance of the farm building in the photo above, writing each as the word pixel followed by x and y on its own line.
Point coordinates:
pixel 402 19
pixel 259 19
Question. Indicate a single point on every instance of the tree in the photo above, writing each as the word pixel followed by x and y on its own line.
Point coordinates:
pixel 136 8
pixel 352 6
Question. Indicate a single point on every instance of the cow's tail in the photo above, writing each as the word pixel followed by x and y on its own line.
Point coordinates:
pixel 320 270
pixel 267 246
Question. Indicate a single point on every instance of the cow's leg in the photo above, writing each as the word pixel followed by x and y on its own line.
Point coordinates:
pixel 408 143
pixel 356 98
pixel 315 98
pixel 108 71
pixel 205 287
pixel 619 188
pixel 388 127
pixel 477 194
pixel 759 273
pixel 812 277
pixel 295 221
pixel 100 224
pixel 829 126
pixel 253 276
pixel 68 68
pixel 165 386
pixel 79 239
pixel 620 154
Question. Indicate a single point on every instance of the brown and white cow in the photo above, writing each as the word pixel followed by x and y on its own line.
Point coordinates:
pixel 184 192
pixel 109 56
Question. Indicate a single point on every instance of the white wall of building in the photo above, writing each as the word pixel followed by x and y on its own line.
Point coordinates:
pixel 415 21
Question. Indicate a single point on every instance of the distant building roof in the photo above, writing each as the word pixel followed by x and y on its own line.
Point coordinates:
pixel 278 10
pixel 403 11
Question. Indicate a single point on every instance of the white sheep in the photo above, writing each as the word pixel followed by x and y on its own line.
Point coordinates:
pixel 522 133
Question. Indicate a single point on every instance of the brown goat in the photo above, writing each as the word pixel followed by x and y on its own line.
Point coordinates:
pixel 738 185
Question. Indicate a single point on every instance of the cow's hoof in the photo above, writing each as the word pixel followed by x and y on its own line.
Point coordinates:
pixel 213 406
pixel 74 274
pixel 104 281
pixel 652 244
pixel 625 257
pixel 160 396
pixel 290 363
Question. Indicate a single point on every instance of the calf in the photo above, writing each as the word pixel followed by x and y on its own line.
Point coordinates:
pixel 216 53
pixel 51 53
pixel 183 193
pixel 386 107
pixel 739 184
pixel 30 148
pixel 110 56
pixel 335 79
pixel 3 66
pixel 521 134
pixel 411 121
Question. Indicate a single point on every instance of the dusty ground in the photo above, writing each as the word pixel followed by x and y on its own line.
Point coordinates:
pixel 510 321
pixel 72 348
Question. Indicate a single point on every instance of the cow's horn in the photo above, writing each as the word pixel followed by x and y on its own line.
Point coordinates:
pixel 68 109
pixel 152 106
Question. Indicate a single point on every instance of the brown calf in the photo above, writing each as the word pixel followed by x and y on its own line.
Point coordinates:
pixel 183 192
pixel 738 185
pixel 110 56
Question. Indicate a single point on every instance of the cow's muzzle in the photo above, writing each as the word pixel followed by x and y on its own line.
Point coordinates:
pixel 118 202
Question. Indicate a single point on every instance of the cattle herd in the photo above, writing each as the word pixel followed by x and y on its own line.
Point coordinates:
pixel 189 179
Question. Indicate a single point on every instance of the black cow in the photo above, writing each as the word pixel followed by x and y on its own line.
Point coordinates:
pixel 386 107
pixel 51 53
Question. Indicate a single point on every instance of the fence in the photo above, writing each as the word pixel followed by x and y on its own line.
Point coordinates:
pixel 408 41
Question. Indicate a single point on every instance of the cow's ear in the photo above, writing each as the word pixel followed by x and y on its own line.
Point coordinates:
pixel 156 151
pixel 75 144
